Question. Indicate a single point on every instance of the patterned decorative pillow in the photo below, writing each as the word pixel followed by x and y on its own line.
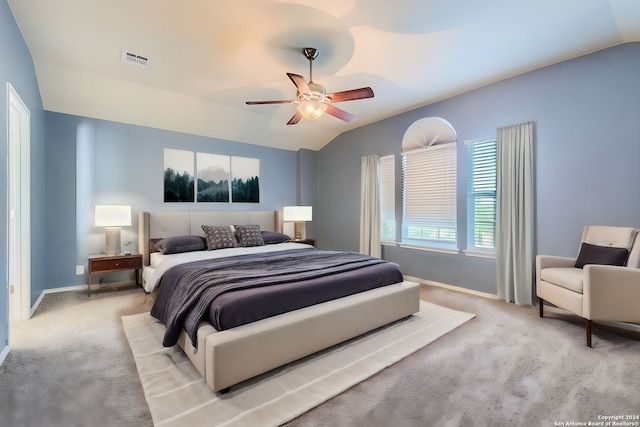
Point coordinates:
pixel 249 235
pixel 219 237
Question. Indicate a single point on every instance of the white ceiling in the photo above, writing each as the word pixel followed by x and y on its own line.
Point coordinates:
pixel 206 57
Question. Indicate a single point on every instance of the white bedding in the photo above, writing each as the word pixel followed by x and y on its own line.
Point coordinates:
pixel 160 263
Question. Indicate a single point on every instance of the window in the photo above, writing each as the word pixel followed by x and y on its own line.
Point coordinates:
pixel 388 199
pixel 429 197
pixel 481 197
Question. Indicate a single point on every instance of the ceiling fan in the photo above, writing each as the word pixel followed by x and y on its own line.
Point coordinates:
pixel 313 99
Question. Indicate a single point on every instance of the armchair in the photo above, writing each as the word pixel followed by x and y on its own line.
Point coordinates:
pixel 601 284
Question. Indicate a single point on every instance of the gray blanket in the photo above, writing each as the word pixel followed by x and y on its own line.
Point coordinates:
pixel 199 283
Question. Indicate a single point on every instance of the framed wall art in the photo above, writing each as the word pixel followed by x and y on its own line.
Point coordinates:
pixel 178 175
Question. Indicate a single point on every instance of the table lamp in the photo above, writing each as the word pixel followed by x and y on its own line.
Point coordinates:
pixel 112 217
pixel 298 215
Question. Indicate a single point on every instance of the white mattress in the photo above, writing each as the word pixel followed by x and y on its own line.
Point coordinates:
pixel 160 263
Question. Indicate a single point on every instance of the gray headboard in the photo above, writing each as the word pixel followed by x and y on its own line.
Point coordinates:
pixel 156 225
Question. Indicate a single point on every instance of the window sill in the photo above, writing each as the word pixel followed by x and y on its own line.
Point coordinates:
pixel 478 253
pixel 451 251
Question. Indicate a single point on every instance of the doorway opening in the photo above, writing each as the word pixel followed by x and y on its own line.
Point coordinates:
pixel 19 208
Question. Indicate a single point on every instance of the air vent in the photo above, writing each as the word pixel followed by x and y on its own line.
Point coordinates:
pixel 133 59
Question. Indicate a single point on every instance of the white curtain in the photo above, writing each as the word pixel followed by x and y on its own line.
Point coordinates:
pixel 514 213
pixel 370 206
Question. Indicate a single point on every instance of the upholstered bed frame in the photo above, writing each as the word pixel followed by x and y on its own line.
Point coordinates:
pixel 225 358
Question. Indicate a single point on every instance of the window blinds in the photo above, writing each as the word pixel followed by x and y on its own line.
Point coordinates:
pixel 481 205
pixel 429 194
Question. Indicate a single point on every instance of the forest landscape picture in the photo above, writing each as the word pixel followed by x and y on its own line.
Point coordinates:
pixel 214 177
pixel 245 186
pixel 178 175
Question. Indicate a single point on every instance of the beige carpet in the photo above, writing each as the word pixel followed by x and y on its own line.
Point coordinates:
pixel 178 396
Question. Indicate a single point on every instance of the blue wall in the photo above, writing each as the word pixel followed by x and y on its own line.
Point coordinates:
pixel 16 67
pixel 587 156
pixel 92 162
pixel 587 113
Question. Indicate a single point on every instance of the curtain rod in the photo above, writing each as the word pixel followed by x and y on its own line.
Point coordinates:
pixel 519 124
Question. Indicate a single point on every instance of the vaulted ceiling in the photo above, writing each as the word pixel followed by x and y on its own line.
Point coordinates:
pixel 207 57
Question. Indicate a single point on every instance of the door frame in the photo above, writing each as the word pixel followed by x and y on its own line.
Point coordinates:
pixel 18 209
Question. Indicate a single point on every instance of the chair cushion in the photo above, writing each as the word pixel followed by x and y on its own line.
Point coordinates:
pixel 565 277
pixel 604 255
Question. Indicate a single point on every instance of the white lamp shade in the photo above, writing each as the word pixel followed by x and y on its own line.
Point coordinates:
pixel 297 213
pixel 113 216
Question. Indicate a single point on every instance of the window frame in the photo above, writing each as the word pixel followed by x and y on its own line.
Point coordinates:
pixel 432 212
pixel 481 185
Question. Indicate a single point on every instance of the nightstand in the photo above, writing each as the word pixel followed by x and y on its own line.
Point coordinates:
pixel 311 242
pixel 102 263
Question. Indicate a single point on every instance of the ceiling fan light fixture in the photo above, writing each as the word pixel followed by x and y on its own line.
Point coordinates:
pixel 312 108
pixel 313 104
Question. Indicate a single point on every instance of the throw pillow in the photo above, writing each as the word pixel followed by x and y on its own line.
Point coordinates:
pixel 603 255
pixel 271 237
pixel 219 237
pixel 249 235
pixel 181 244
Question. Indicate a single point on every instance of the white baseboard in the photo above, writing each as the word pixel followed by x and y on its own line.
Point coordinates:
pixel 4 353
pixel 72 288
pixel 452 288
pixel 53 291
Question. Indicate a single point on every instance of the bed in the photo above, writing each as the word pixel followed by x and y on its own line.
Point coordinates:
pixel 228 354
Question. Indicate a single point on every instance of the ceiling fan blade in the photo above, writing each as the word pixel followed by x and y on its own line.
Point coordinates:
pixel 341 114
pixel 287 101
pixel 300 82
pixel 351 95
pixel 295 118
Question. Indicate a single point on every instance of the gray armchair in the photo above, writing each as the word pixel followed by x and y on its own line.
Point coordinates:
pixel 601 284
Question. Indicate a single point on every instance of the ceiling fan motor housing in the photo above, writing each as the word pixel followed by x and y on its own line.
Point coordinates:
pixel 315 91
pixel 310 53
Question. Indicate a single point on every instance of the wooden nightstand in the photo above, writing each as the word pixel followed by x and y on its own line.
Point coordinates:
pixel 311 242
pixel 102 263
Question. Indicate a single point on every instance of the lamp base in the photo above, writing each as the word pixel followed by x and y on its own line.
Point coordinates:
pixel 300 231
pixel 112 240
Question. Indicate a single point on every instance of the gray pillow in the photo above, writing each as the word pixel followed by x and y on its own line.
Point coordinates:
pixel 181 244
pixel 249 235
pixel 219 237
pixel 271 237
pixel 603 255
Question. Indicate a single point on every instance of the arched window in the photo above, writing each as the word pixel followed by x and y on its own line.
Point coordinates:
pixel 429 170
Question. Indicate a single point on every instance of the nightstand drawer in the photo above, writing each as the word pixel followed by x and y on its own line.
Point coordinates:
pixel 98 265
pixel 111 263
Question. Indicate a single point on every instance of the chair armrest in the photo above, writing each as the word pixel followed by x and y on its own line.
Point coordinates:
pixel 549 261
pixel 611 293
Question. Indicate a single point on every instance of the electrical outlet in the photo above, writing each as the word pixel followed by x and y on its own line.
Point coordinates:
pixel 79 269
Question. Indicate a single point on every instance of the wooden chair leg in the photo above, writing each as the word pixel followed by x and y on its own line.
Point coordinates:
pixel 588 333
pixel 540 304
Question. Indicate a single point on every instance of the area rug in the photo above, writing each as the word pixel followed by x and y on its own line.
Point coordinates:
pixel 178 396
